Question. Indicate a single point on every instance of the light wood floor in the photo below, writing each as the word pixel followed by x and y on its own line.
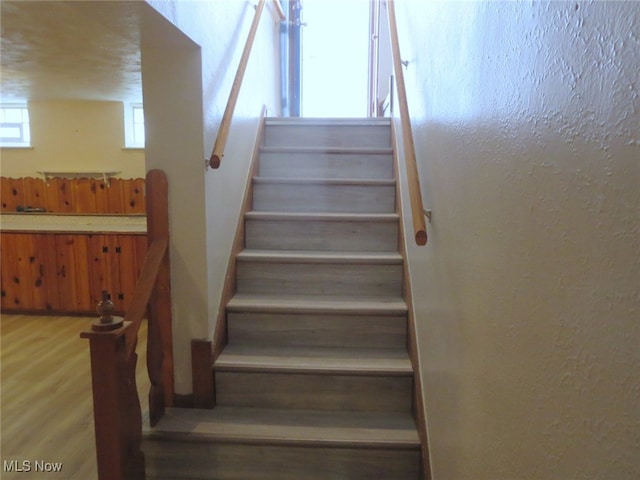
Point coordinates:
pixel 47 409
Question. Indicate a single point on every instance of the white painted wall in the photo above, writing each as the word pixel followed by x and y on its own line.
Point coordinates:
pixel 74 135
pixel 187 74
pixel 526 118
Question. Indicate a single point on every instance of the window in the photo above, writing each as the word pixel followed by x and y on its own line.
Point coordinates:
pixel 14 126
pixel 134 126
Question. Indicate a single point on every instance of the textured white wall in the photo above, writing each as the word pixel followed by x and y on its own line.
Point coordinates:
pixel 186 83
pixel 527 127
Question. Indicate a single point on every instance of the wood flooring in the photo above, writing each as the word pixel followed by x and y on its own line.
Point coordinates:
pixel 46 400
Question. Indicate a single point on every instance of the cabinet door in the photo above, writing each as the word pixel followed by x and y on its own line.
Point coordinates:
pixel 29 276
pixel 9 272
pixel 115 266
pixel 127 268
pixel 73 273
pixel 99 261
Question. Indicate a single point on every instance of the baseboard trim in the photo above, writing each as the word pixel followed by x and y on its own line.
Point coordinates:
pixel 183 401
pixel 201 373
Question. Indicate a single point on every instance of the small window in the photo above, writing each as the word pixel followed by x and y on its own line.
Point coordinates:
pixel 134 126
pixel 14 126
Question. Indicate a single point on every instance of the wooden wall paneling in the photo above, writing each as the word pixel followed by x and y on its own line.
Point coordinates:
pixel 64 187
pixel 35 260
pixel 65 268
pixel 141 186
pixel 133 195
pixel 4 271
pixel 25 273
pixel 141 252
pixel 34 192
pixel 9 275
pixel 59 195
pixel 73 273
pixel 51 195
pixel 83 294
pixel 12 194
pixel 115 252
pixel 101 193
pixel 49 271
pixel 6 198
pixel 126 263
pixel 115 196
pixel 99 269
pixel 84 196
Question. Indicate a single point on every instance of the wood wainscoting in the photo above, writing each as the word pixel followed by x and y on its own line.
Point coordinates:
pixel 74 195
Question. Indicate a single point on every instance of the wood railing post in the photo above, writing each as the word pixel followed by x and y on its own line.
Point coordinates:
pixel 113 340
pixel 159 343
pixel 116 407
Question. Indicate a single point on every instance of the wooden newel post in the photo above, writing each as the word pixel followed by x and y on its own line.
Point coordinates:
pixel 106 321
pixel 116 406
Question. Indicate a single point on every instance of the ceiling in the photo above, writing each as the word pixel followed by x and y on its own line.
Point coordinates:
pixel 57 50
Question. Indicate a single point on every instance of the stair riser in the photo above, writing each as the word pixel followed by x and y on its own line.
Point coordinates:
pixel 220 461
pixel 360 280
pixel 350 136
pixel 289 330
pixel 314 391
pixel 326 165
pixel 278 197
pixel 322 235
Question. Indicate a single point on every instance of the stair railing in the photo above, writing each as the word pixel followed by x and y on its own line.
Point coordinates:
pixel 413 180
pixel 112 341
pixel 225 124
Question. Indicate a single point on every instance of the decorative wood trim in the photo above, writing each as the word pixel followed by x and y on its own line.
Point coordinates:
pixel 412 341
pixel 413 179
pixel 225 124
pixel 202 375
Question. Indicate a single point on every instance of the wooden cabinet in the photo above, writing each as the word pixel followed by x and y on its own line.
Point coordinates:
pixel 66 273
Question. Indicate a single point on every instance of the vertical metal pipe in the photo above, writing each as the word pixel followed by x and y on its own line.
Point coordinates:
pixel 295 57
pixel 284 60
pixel 374 28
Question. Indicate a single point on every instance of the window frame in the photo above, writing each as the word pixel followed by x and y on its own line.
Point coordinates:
pixel 132 134
pixel 23 126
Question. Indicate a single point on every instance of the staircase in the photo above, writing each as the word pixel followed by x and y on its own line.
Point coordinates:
pixel 315 381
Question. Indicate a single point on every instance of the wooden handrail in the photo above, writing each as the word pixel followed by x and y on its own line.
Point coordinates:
pixel 279 10
pixel 413 180
pixel 143 290
pixel 225 124
pixel 116 404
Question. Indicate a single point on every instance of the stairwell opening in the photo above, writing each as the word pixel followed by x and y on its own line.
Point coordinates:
pixel 332 58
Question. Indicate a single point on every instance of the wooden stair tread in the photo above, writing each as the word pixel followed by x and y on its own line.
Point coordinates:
pixel 337 150
pixel 288 427
pixel 324 181
pixel 318 121
pixel 352 361
pixel 317 304
pixel 321 216
pixel 319 256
